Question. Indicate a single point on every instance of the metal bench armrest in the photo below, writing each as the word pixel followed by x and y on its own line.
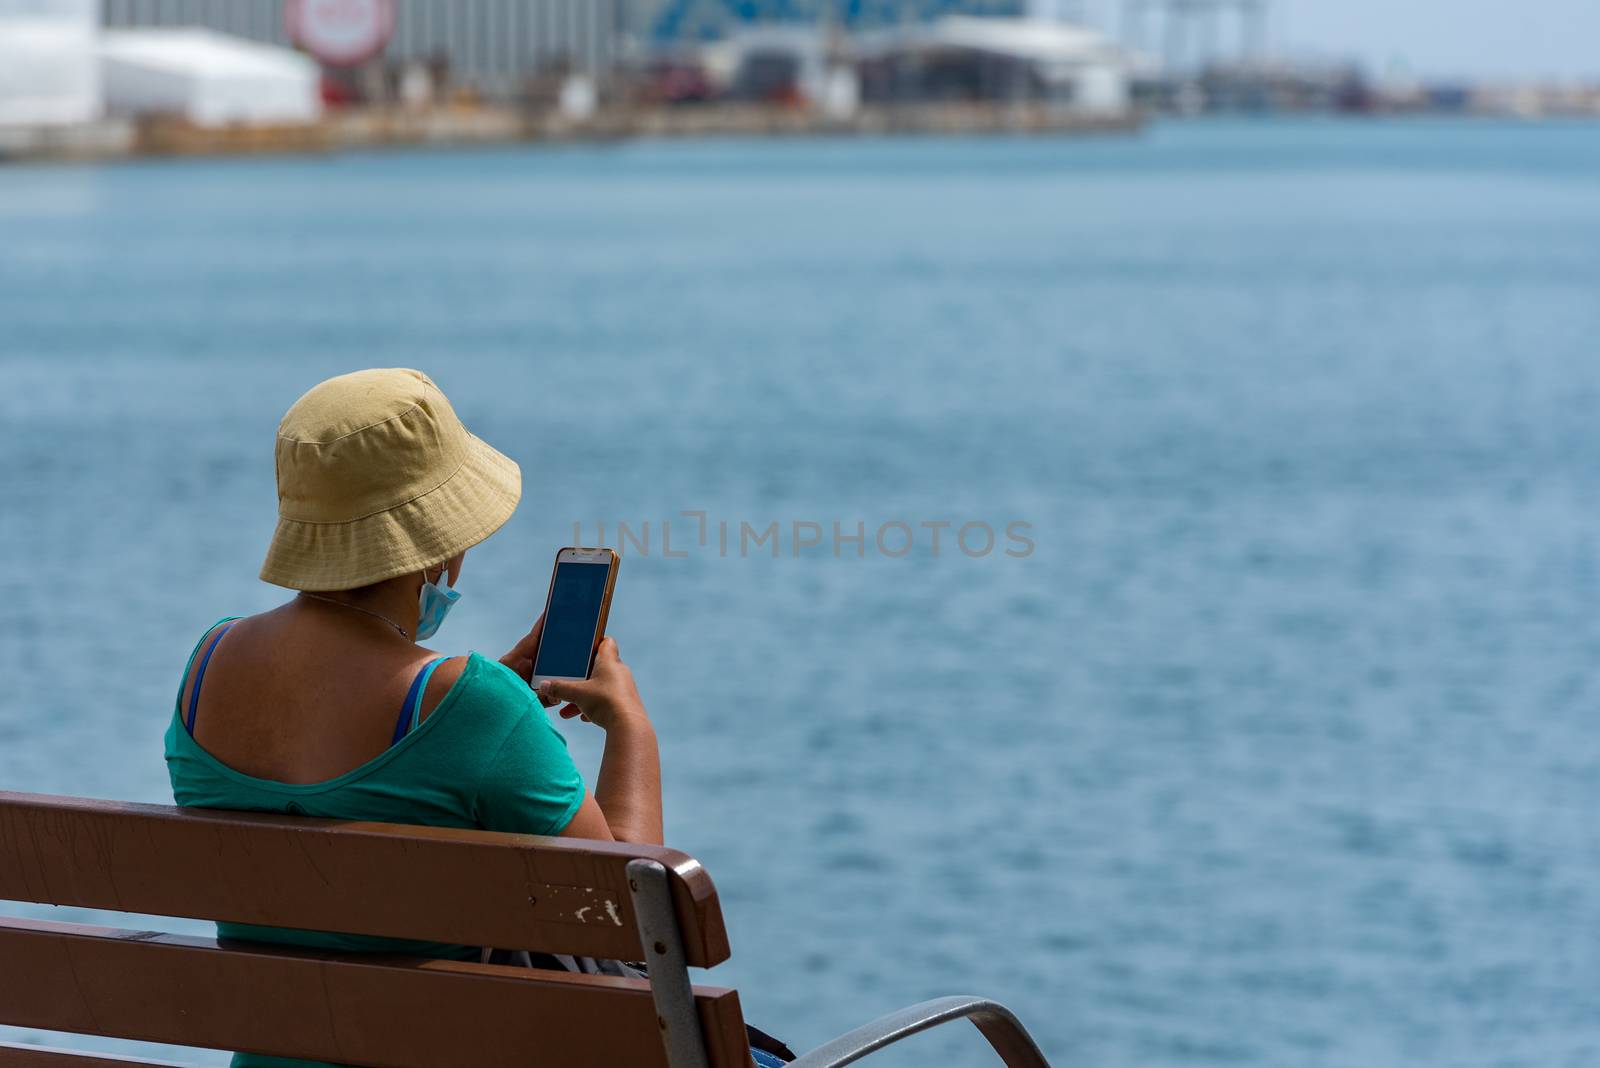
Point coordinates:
pixel 998 1024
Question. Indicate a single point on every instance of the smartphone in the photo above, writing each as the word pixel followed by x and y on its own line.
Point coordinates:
pixel 575 612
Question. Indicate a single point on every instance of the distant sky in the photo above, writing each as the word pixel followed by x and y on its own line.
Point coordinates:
pixel 1507 39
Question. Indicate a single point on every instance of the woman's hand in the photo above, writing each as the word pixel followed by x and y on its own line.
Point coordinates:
pixel 608 697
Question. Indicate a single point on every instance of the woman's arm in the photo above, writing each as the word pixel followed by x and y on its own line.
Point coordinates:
pixel 629 788
pixel 626 804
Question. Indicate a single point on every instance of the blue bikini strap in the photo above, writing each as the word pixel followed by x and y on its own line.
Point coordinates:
pixel 413 701
pixel 199 677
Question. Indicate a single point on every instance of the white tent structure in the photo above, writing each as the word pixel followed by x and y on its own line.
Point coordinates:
pixel 48 71
pixel 1075 65
pixel 209 78
pixel 1080 63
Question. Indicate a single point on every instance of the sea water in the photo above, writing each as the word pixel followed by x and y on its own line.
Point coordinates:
pixel 1267 737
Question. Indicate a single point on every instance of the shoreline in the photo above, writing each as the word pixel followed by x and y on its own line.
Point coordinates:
pixel 445 128
pixel 361 129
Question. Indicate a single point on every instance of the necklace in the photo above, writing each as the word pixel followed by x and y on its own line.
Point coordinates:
pixel 358 608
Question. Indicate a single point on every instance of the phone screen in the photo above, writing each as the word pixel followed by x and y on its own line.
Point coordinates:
pixel 569 622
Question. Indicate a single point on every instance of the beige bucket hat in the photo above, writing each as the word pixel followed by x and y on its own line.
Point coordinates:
pixel 377 478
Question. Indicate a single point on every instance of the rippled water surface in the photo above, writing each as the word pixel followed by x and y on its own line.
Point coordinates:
pixel 1279 748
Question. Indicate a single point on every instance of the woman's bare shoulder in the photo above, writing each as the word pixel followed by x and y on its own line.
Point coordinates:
pixel 443 679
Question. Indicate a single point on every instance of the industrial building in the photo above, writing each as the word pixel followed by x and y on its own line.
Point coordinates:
pixel 59 67
pixel 49 75
pixel 493 48
pixel 208 78
pixel 955 60
pixel 215 64
pixel 497 49
pixel 995 60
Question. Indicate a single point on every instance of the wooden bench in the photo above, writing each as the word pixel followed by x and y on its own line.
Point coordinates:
pixel 477 888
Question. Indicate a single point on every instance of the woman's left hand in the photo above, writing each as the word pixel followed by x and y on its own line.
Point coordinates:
pixel 520 658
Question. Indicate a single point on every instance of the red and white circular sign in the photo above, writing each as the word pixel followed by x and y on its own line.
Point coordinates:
pixel 341 33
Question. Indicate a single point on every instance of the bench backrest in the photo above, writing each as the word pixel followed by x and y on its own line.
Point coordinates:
pixel 475 888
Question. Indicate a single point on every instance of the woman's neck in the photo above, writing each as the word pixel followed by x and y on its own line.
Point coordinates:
pixel 393 602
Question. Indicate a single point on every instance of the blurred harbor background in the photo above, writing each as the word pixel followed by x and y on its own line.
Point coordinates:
pixel 1279 749
pixel 107 78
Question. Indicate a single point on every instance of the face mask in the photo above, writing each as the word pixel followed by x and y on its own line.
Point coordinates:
pixel 433 604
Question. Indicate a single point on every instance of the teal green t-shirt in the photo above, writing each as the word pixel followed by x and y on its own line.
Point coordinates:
pixel 486 757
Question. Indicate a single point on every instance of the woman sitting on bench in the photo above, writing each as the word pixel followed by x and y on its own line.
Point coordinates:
pixel 327 706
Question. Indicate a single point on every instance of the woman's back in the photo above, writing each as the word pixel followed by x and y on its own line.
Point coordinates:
pixel 297 695
pixel 277 732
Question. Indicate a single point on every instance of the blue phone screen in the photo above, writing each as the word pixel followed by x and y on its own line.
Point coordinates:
pixel 570 620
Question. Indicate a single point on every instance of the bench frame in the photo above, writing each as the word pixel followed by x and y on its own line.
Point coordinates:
pixel 140 858
pixel 669 968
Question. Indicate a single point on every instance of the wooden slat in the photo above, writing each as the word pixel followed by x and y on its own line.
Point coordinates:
pixel 17 1055
pixel 481 888
pixel 386 1012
